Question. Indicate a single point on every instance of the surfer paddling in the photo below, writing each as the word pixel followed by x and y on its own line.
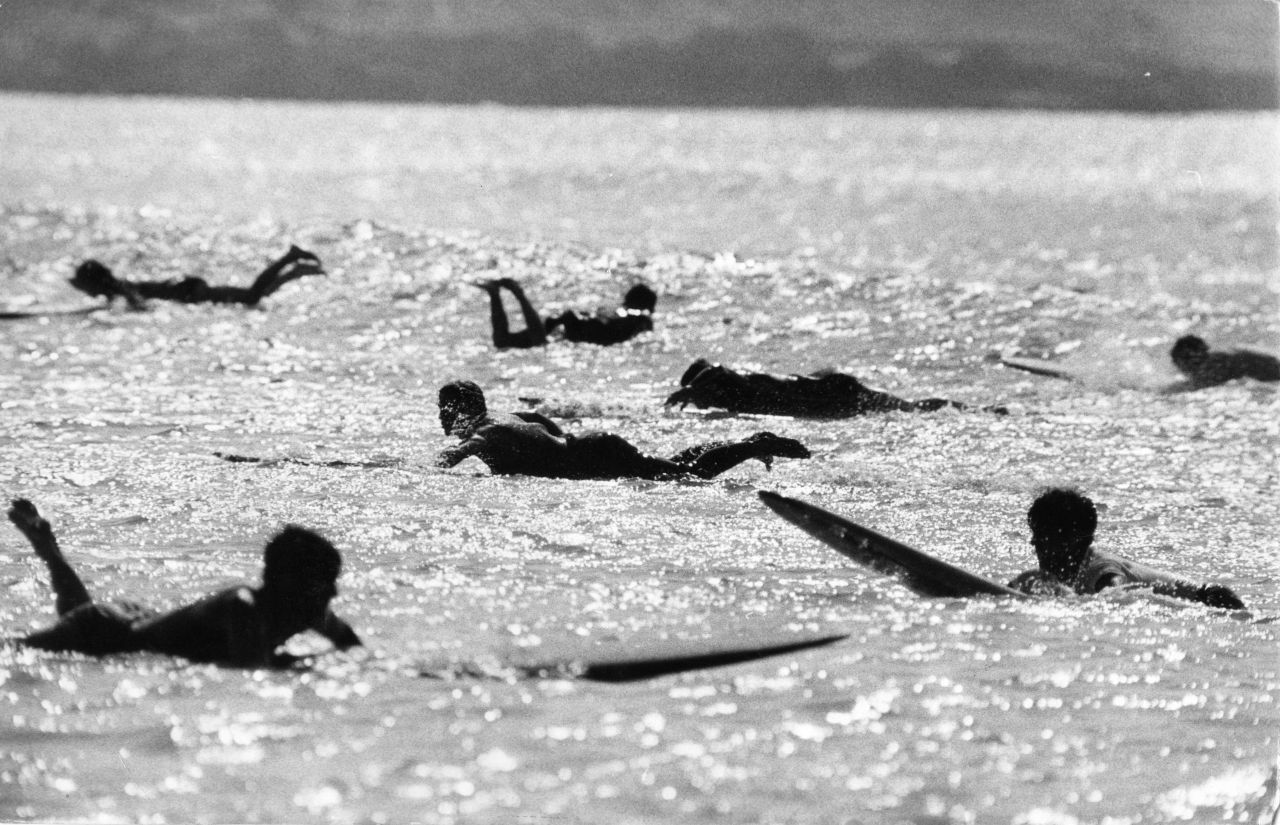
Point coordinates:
pixel 632 318
pixel 1205 368
pixel 531 444
pixel 820 395
pixel 96 279
pixel 238 627
pixel 1062 526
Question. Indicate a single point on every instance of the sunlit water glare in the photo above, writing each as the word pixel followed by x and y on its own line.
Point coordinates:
pixel 1122 708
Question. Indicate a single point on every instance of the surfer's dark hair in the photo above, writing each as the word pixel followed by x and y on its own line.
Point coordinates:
pixel 296 552
pixel 1060 511
pixel 95 278
pixel 640 297
pixel 464 394
pixel 1189 347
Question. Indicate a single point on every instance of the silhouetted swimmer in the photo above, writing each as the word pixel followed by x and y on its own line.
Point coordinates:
pixel 820 395
pixel 239 627
pixel 1062 526
pixel 1204 368
pixel 531 444
pixel 95 279
pixel 632 318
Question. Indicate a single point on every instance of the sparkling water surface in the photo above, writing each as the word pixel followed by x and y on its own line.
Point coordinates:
pixel 955 238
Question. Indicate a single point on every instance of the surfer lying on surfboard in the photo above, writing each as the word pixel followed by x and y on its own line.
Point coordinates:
pixel 244 626
pixel 1062 526
pixel 1203 368
pixel 531 444
pixel 238 627
pixel 96 279
pixel 604 327
pixel 1193 358
pixel 820 395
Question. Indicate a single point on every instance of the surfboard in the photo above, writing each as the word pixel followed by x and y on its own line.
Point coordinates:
pixel 1037 367
pixel 47 312
pixel 920 572
pixel 633 670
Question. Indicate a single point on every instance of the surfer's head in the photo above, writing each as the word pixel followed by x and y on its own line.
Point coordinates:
pixel 94 278
pixel 1189 352
pixel 640 298
pixel 461 401
pixel 300 568
pixel 1062 523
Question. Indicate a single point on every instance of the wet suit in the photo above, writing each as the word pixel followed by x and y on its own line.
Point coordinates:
pixel 820 395
pixel 240 627
pixel 96 279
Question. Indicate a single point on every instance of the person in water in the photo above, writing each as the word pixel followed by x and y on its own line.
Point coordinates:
pixel 96 279
pixel 239 627
pixel 820 395
pixel 1204 368
pixel 632 318
pixel 1062 523
pixel 531 444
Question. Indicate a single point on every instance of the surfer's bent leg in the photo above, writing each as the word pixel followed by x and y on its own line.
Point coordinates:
pixel 67 586
pixel 294 264
pixel 535 333
pixel 502 337
pixel 710 460
pixel 93 629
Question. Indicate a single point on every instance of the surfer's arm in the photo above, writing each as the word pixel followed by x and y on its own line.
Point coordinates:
pixel 338 632
pixel 454 456
pixel 1211 595
pixel 541 420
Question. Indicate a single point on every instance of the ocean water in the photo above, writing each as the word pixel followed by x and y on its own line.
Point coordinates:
pixel 910 250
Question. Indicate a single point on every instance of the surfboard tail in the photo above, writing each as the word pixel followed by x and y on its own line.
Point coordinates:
pixel 633 670
pixel 920 572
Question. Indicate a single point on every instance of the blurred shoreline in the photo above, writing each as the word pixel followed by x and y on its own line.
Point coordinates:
pixel 1128 56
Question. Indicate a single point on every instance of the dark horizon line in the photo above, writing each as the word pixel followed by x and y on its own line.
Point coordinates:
pixel 784 68
pixel 481 102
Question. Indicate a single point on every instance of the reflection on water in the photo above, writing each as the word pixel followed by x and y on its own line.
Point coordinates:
pixel 1118 708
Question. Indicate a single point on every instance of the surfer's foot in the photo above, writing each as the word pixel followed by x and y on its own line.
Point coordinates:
pixel 769 446
pixel 487 285
pixel 1217 595
pixel 31 524
pixel 297 253
pixel 296 269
